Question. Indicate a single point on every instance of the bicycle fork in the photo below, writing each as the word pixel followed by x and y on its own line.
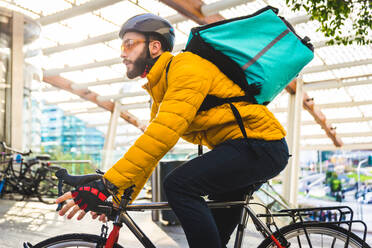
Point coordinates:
pixel 265 231
pixel 114 234
pixel 123 217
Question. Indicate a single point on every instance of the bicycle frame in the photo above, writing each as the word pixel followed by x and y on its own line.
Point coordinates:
pixel 146 242
pixel 120 214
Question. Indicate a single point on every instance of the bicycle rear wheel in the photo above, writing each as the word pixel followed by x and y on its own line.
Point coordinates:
pixel 320 235
pixel 74 240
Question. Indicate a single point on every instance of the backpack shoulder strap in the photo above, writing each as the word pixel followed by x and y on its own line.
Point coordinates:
pixel 167 70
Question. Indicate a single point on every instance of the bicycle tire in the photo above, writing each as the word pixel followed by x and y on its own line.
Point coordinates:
pixel 74 240
pixel 321 235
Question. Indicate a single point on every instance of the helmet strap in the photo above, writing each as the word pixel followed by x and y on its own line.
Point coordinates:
pixel 149 61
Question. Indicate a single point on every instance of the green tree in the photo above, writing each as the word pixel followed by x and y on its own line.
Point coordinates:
pixel 75 168
pixel 334 14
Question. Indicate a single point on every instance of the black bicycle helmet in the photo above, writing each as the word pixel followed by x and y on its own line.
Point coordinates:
pixel 147 24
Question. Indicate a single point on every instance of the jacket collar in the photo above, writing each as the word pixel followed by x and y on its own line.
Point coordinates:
pixel 157 70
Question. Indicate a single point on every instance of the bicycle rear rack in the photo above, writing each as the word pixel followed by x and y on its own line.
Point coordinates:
pixel 337 215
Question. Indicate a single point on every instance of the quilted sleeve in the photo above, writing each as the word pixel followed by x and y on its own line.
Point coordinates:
pixel 187 87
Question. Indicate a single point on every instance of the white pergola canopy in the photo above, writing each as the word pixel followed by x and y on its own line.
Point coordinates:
pixel 80 43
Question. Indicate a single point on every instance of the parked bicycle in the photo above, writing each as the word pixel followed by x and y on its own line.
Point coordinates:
pixel 33 177
pixel 302 232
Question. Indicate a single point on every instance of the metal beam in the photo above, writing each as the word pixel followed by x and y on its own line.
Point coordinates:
pixel 90 41
pixel 101 82
pixel 332 84
pixel 341 120
pixel 85 111
pixel 122 107
pixel 109 62
pixel 174 19
pixel 344 104
pixel 104 38
pixel 195 6
pixel 75 11
pixel 104 124
pixel 323 43
pixel 139 105
pixel 88 95
pixel 216 7
pixel 49 89
pixel 356 146
pixel 299 19
pixel 78 100
pixel 122 95
pixel 321 68
pixel 345 135
pixel 327 105
pixel 128 134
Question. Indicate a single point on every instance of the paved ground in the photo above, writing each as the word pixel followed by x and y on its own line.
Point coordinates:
pixel 32 221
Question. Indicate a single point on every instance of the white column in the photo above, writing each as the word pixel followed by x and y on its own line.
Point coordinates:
pixel 291 173
pixel 17 85
pixel 110 137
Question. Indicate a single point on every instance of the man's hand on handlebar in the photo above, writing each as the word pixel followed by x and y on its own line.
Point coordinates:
pixel 84 199
pixel 70 203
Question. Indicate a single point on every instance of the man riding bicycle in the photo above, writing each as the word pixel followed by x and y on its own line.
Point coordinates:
pixel 236 159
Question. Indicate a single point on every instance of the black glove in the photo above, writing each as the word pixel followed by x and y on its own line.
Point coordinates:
pixel 89 196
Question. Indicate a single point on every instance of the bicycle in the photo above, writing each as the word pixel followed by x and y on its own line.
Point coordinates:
pixel 301 233
pixel 33 177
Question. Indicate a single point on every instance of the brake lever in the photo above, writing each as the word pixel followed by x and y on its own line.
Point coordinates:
pixel 60 192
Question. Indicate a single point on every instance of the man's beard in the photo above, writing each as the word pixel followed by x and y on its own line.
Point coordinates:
pixel 139 65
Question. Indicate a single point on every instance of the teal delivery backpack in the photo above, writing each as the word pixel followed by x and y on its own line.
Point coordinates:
pixel 260 52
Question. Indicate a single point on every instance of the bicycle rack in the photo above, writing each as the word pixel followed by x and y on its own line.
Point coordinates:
pixel 340 215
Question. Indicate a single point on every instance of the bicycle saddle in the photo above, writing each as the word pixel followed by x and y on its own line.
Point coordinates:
pixel 254 187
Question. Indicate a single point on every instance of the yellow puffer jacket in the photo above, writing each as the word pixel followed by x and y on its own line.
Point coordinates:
pixel 174 115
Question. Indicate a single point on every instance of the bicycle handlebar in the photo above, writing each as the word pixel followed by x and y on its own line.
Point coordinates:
pixel 76 181
pixel 107 208
pixel 15 150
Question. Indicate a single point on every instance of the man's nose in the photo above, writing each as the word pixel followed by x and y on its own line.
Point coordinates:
pixel 123 54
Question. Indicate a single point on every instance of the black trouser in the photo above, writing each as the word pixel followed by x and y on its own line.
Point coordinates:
pixel 223 174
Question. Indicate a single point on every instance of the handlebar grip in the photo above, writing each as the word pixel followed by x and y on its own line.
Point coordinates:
pixel 76 181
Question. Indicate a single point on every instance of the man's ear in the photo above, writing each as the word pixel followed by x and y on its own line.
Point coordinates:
pixel 155 48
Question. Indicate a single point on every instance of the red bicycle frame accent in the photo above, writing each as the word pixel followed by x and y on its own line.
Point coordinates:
pixel 113 237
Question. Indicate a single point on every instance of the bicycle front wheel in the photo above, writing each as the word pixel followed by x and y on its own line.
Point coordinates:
pixel 319 235
pixel 74 240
